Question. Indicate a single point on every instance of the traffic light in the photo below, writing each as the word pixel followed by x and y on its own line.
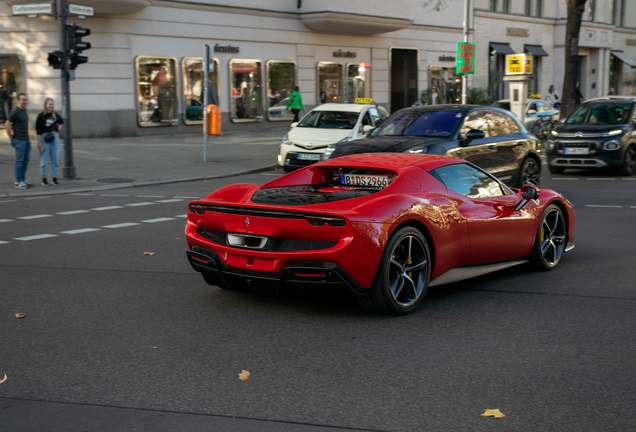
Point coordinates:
pixel 55 59
pixel 75 45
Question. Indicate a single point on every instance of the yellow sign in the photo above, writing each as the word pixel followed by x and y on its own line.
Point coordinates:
pixel 364 100
pixel 528 64
pixel 515 64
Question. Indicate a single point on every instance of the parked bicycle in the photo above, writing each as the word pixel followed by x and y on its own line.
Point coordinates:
pixel 542 126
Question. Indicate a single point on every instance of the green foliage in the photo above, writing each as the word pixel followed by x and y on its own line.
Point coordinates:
pixel 477 96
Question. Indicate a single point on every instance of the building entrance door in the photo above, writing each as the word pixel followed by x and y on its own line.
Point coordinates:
pixel 404 62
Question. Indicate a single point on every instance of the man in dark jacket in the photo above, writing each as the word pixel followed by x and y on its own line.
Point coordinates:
pixel 17 128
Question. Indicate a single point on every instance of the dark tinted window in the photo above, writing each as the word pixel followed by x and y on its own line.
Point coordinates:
pixel 413 123
pixel 512 123
pixel 476 120
pixel 603 113
pixel 330 120
pixel 499 124
pixel 470 181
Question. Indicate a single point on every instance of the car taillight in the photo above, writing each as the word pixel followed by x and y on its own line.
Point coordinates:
pixel 196 208
pixel 321 220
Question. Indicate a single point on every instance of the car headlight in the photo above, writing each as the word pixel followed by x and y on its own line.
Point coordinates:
pixel 286 140
pixel 555 133
pixel 550 145
pixel 328 152
pixel 614 132
pixel 611 145
pixel 346 139
pixel 421 150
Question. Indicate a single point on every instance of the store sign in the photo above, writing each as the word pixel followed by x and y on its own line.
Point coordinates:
pixel 33 9
pixel 518 64
pixel 630 42
pixel 346 54
pixel 465 58
pixel 521 32
pixel 446 58
pixel 226 49
pixel 81 10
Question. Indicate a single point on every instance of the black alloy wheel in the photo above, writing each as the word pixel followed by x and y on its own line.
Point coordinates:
pixel 629 162
pixel 529 173
pixel 403 275
pixel 549 244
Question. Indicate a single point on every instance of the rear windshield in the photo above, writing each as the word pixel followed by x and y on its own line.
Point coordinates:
pixel 416 123
pixel 604 113
pixel 330 120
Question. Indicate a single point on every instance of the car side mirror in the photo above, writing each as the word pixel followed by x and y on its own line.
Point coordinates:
pixel 294 124
pixel 528 192
pixel 472 134
pixel 532 111
pixel 367 128
pixel 562 120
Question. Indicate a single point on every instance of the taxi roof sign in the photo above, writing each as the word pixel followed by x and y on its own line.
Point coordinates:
pixel 364 100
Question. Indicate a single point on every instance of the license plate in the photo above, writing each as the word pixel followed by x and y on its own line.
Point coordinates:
pixel 576 150
pixel 376 181
pixel 308 156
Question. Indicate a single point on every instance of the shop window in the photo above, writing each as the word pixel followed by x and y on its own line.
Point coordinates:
pixel 157 91
pixel 329 82
pixel 447 82
pixel 246 90
pixel 281 80
pixel 11 84
pixel 357 83
pixel 192 72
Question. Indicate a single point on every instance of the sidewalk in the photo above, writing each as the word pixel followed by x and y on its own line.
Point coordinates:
pixel 113 163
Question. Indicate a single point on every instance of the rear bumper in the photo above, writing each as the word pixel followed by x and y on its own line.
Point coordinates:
pixel 296 273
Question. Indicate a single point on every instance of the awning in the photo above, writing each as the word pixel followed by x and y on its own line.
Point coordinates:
pixel 536 51
pixel 624 58
pixel 501 48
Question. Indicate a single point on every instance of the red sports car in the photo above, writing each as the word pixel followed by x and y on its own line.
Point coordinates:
pixel 385 225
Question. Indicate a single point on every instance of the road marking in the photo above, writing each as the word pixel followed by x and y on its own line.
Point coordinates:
pixel 632 206
pixel 4 242
pixel 272 174
pixel 140 204
pixel 107 208
pixel 564 178
pixel 114 195
pixel 35 216
pixel 170 200
pixel 73 212
pixel 80 231
pixel 629 179
pixel 81 194
pixel 8 201
pixel 182 216
pixel 6 220
pixel 187 197
pixel 602 179
pixel 151 196
pixel 121 225
pixel 36 237
pixel 603 206
pixel 157 220
pixel 33 198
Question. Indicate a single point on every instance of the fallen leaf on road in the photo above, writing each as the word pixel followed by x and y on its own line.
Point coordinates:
pixel 4 379
pixel 149 253
pixel 243 376
pixel 20 315
pixel 493 413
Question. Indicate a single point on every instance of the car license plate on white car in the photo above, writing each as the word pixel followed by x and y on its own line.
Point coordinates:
pixel 308 156
pixel 376 181
pixel 576 150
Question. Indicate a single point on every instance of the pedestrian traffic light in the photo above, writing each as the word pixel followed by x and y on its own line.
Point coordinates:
pixel 55 59
pixel 75 45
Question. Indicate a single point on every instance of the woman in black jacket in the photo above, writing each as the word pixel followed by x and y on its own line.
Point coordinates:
pixel 46 127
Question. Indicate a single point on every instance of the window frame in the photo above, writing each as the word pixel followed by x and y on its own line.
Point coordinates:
pixel 23 78
pixel 174 121
pixel 217 65
pixel 267 63
pixel 231 81
pixel 318 80
pixel 505 190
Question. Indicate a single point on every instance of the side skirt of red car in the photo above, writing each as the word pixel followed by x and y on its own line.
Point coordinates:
pixel 466 272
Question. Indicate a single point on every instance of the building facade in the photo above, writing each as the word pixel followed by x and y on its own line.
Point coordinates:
pixel 145 71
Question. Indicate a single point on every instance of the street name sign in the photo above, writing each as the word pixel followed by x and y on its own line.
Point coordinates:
pixel 465 58
pixel 33 9
pixel 81 10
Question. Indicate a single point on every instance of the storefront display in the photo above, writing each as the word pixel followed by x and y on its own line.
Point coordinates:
pixel 447 82
pixel 246 90
pixel 156 86
pixel 192 71
pixel 329 82
pixel 11 84
pixel 357 83
pixel 281 80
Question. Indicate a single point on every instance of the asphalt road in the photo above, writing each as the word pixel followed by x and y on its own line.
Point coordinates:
pixel 116 340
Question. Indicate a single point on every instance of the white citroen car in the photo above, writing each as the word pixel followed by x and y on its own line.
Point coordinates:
pixel 326 124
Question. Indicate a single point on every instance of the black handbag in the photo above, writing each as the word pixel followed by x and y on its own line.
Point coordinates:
pixel 50 137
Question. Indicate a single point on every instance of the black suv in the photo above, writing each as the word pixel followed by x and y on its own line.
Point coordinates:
pixel 488 137
pixel 599 134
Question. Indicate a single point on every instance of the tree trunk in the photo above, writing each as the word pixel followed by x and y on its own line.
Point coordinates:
pixel 575 10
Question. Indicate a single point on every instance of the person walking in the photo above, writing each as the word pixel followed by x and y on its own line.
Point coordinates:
pixel 552 95
pixel 17 128
pixel 578 96
pixel 48 132
pixel 295 103
pixel 434 98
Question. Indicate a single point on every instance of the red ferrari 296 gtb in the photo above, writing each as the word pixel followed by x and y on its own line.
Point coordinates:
pixel 385 225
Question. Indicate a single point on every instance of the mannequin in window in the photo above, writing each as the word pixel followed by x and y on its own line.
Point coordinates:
pixel 7 88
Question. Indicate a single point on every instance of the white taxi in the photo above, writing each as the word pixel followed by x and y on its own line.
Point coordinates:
pixel 327 124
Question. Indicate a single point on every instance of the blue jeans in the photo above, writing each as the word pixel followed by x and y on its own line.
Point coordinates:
pixel 52 151
pixel 22 155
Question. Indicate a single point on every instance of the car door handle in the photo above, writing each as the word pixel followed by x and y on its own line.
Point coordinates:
pixel 492 146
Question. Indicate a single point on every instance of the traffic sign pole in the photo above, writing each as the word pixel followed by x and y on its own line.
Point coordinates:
pixel 464 77
pixel 69 168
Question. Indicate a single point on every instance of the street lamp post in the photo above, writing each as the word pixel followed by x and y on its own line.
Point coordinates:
pixel 464 76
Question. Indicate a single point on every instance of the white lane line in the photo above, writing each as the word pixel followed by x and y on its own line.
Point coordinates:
pixel 6 220
pixel 603 206
pixel 32 198
pixel 107 208
pixel 170 200
pixel 187 197
pixel 73 212
pixel 602 179
pixel 140 204
pixel 151 196
pixel 121 225
pixel 157 220
pixel 632 206
pixel 4 242
pixel 629 179
pixel 116 195
pixel 35 216
pixel 81 194
pixel 80 231
pixel 272 174
pixel 563 178
pixel 36 237
pixel 182 216
pixel 7 201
